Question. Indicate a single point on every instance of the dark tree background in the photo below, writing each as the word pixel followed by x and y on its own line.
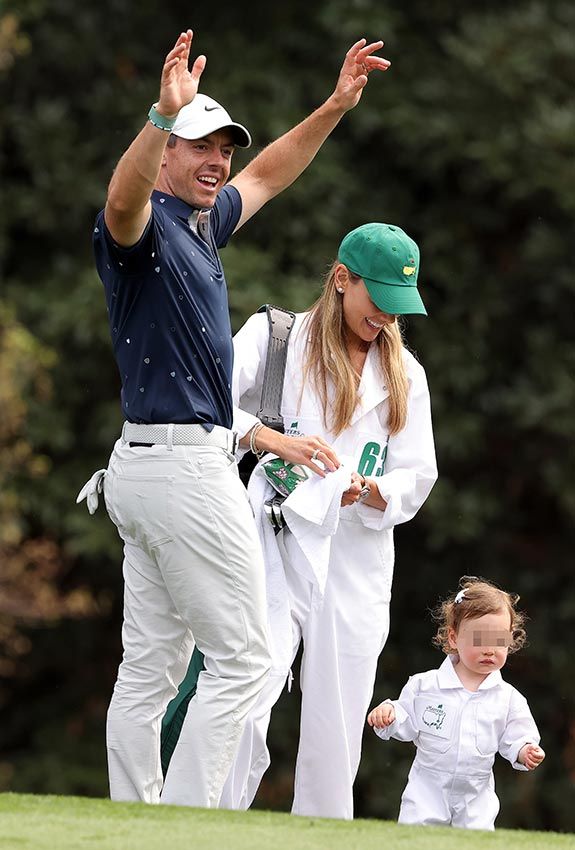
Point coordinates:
pixel 469 143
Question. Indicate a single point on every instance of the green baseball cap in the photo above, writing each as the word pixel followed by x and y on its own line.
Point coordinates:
pixel 387 260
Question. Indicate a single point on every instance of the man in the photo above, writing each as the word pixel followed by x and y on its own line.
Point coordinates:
pixel 192 563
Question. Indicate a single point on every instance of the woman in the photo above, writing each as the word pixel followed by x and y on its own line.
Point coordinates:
pixel 351 391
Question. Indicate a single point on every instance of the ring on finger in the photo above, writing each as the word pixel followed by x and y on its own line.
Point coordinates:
pixel 315 453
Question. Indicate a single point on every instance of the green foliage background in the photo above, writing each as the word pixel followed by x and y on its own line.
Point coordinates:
pixel 469 143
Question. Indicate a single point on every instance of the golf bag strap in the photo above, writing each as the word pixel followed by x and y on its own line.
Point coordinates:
pixel 280 324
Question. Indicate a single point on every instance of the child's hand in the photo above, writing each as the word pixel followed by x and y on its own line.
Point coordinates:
pixel 531 756
pixel 382 715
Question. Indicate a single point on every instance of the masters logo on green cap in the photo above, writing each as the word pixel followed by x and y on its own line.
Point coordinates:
pixel 387 260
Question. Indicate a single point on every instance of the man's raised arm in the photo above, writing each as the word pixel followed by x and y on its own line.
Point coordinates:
pixel 128 206
pixel 278 165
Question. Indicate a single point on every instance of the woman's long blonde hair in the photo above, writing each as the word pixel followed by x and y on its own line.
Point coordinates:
pixel 327 360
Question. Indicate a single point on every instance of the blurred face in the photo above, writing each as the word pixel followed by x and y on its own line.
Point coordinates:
pixel 364 321
pixel 482 643
pixel 196 169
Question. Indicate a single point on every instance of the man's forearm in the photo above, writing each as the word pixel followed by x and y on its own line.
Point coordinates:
pixel 286 158
pixel 282 162
pixel 127 206
pixel 137 171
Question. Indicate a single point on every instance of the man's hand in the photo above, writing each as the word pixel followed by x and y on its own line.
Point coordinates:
pixel 530 756
pixel 178 85
pixel 358 63
pixel 128 206
pixel 382 715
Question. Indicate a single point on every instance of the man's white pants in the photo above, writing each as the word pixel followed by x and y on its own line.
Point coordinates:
pixel 193 571
pixel 343 635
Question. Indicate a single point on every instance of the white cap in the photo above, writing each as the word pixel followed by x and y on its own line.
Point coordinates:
pixel 203 116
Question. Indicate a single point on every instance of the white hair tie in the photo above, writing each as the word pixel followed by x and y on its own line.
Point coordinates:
pixel 460 596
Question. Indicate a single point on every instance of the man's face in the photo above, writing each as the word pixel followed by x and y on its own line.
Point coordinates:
pixel 195 170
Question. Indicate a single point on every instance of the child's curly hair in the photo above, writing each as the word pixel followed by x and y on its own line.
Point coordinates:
pixel 476 597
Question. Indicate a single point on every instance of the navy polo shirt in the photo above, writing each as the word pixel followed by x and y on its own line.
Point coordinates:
pixel 168 310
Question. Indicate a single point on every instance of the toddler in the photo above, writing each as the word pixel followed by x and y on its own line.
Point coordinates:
pixel 460 715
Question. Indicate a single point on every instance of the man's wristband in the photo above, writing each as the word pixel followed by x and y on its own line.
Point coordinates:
pixel 161 121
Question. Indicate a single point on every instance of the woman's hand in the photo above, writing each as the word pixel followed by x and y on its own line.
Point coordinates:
pixel 351 495
pixel 305 451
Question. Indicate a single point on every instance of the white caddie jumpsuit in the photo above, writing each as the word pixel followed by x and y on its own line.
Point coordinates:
pixel 457 734
pixel 343 626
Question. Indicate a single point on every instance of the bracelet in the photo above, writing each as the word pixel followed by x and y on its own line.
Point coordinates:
pixel 160 121
pixel 253 434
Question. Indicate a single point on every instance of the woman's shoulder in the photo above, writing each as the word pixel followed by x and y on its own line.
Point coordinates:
pixel 261 318
pixel 412 365
pixel 256 329
pixel 299 330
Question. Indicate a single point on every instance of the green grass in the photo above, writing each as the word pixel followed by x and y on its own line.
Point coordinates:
pixel 30 822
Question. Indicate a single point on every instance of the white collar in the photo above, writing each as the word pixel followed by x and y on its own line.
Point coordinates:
pixel 199 223
pixel 372 388
pixel 448 678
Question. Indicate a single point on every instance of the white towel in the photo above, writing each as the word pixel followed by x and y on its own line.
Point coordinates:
pixel 312 515
pixel 279 618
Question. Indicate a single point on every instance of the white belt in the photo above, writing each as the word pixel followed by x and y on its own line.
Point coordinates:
pixel 180 435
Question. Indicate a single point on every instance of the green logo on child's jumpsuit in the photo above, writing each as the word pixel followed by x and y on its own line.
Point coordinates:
pixel 433 716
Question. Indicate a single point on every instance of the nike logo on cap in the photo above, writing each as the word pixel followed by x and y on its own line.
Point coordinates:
pixel 210 108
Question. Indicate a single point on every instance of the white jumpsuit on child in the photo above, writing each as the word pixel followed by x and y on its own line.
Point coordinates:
pixel 457 734
pixel 341 613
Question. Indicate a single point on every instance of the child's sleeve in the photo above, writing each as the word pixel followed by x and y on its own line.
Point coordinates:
pixel 519 730
pixel 403 727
